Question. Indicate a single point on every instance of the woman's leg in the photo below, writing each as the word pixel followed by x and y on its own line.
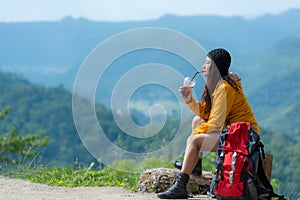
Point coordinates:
pixel 195 144
pixel 196 122
pixel 198 167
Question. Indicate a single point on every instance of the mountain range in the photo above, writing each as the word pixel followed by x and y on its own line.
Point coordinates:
pixel 51 52
pixel 48 55
pixel 264 51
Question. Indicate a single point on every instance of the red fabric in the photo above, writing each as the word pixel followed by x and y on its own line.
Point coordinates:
pixel 237 138
pixel 236 141
pixel 234 189
pixel 230 190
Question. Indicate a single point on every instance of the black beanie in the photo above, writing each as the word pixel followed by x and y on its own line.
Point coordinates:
pixel 222 59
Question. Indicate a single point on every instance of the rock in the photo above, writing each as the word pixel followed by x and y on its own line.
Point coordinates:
pixel 159 179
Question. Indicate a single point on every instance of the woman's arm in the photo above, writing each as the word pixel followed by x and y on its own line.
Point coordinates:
pixel 222 102
pixel 197 107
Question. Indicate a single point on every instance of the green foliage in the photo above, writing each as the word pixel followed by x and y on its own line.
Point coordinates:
pixel 273 94
pixel 37 108
pixel 105 177
pixel 4 112
pixel 16 149
pixel 275 184
pixel 290 193
pixel 70 177
pixel 285 150
pixel 208 161
pixel 34 108
pixel 148 163
pixel 84 176
pixel 154 162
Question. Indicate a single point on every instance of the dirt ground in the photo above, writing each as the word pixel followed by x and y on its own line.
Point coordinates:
pixel 15 189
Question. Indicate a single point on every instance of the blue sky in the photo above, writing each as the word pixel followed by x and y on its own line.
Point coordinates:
pixel 124 10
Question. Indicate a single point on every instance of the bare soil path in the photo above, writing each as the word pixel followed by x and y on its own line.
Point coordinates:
pixel 16 189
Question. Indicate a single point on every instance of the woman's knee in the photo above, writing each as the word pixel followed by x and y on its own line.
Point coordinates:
pixel 195 140
pixel 196 122
pixel 204 142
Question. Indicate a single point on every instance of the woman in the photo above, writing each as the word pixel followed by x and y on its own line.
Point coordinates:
pixel 223 103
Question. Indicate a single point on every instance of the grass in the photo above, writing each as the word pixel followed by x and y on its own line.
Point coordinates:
pixel 70 177
pixel 101 177
pixel 88 176
pixel 82 176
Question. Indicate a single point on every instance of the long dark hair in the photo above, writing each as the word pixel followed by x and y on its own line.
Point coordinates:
pixel 210 85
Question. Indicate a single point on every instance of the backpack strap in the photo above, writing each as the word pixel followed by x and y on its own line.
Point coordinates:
pixel 244 173
pixel 261 146
pixel 265 181
pixel 220 168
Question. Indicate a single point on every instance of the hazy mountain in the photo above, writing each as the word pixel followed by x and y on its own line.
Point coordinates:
pixel 275 93
pixel 265 50
pixel 51 52
pixel 265 53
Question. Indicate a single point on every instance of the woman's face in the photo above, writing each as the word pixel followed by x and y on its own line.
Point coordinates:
pixel 207 66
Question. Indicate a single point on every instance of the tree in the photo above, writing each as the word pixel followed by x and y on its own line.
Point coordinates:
pixel 16 148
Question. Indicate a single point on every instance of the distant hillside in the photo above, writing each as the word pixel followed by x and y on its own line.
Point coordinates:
pixel 275 94
pixel 36 108
pixel 51 52
pixel 265 53
pixel 284 148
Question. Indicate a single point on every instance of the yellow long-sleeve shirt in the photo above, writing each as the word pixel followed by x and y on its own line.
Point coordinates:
pixel 229 106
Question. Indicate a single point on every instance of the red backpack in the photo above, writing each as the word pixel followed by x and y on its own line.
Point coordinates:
pixel 239 166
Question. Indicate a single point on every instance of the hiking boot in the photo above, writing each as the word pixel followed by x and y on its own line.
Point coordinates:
pixel 178 189
pixel 197 171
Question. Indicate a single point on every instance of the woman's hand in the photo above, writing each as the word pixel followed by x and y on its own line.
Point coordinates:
pixel 186 93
